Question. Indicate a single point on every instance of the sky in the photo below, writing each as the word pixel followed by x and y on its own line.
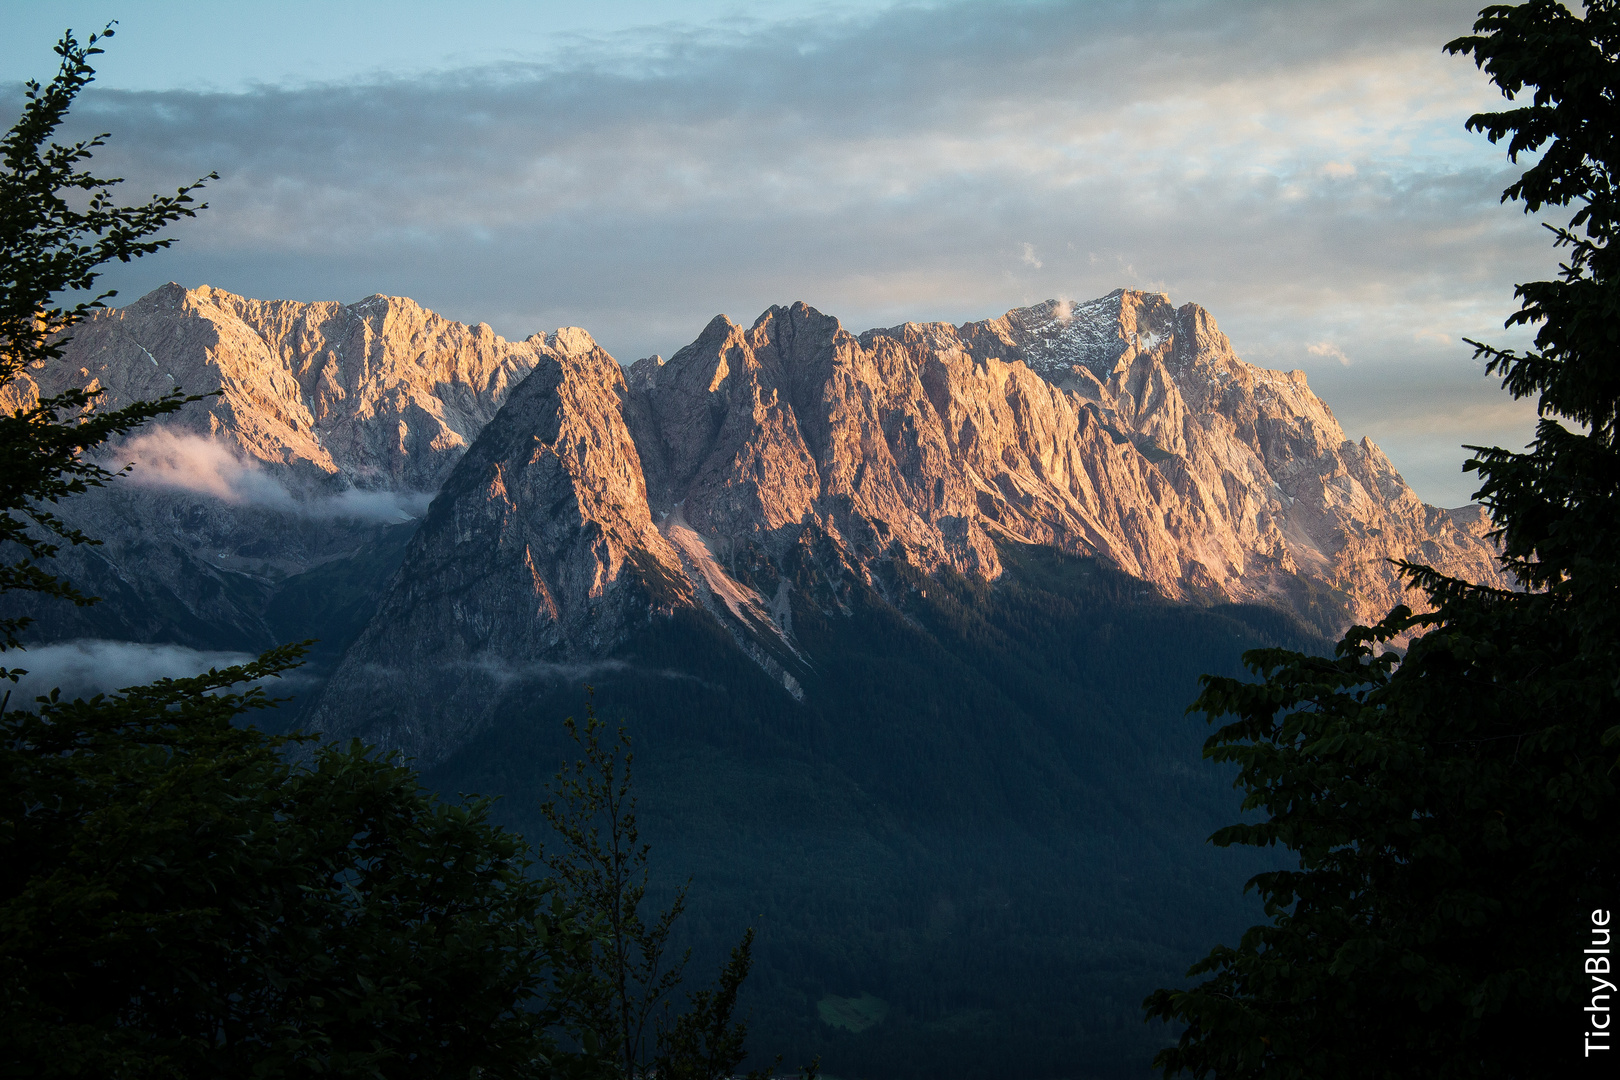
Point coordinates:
pixel 1299 169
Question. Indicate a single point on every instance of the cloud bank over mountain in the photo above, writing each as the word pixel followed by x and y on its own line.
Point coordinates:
pixel 176 461
pixel 1302 168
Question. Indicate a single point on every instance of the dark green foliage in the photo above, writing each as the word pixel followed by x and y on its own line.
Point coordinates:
pixel 1453 823
pixel 181 900
pixel 58 225
pixel 703 1043
pixel 1453 810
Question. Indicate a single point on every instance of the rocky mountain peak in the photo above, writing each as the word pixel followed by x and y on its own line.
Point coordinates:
pixel 333 422
pixel 381 393
pixel 1123 427
pixel 539 555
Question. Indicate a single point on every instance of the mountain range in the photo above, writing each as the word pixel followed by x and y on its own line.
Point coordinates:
pixel 901 621
pixel 1124 430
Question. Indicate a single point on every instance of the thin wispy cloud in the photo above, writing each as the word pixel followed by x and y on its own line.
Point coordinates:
pixel 1300 169
pixel 1328 349
pixel 502 672
pixel 180 461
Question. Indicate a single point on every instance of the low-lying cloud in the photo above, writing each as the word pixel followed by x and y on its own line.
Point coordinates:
pixel 86 667
pixel 179 461
pixel 503 672
pixel 506 672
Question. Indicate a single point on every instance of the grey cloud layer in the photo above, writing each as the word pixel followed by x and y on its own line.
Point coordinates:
pixel 1300 169
pixel 90 666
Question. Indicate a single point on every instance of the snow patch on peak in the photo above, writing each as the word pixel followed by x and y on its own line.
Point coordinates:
pixel 1060 334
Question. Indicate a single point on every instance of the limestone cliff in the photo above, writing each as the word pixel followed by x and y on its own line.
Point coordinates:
pixel 331 421
pixel 377 394
pixel 1124 429
pixel 535 560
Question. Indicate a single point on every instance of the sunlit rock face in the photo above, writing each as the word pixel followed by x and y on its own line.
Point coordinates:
pixel 538 556
pixel 1267 478
pixel 327 423
pixel 1125 429
pixel 377 394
